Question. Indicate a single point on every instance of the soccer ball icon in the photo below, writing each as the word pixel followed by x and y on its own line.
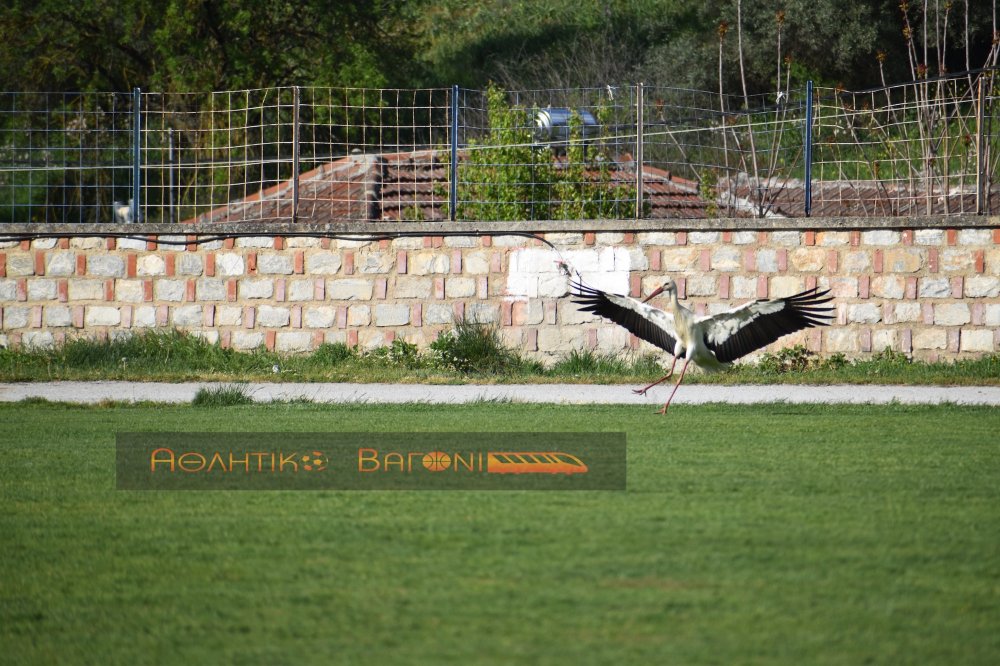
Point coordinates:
pixel 315 462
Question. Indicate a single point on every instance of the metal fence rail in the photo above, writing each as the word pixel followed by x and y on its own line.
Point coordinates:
pixel 326 154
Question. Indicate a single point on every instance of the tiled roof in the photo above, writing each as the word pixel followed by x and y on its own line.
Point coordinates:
pixel 858 199
pixel 413 186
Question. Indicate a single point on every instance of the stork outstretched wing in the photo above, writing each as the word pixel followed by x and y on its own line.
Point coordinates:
pixel 642 320
pixel 745 329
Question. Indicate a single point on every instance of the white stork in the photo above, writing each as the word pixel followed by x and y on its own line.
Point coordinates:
pixel 711 341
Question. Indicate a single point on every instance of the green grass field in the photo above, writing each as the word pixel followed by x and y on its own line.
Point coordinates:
pixel 770 534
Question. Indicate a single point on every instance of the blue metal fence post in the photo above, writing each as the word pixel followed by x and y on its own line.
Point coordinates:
pixel 809 146
pixel 136 152
pixel 453 172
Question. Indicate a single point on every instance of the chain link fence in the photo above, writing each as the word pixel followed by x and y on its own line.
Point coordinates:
pixel 617 152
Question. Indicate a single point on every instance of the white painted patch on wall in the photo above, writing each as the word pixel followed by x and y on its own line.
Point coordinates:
pixel 535 272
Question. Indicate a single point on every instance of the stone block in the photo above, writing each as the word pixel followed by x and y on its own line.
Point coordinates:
pixel 701 285
pixel 785 285
pixel 807 259
pixel 20 265
pixel 57 316
pixel 270 316
pixel 187 315
pixel 767 260
pixel 476 262
pixel 679 259
pixel 190 264
pixel 130 291
pixel 274 264
pixel 857 262
pixel 888 286
pixel 934 287
pixel 982 286
pixel 842 340
pixel 301 290
pixel 102 265
pixel 976 340
pixel 210 289
pixel 41 289
pixel 417 287
pixel 903 260
pixel 438 313
pixel 956 260
pixel 322 316
pixel 461 241
pixel 293 342
pixel 100 315
pixel 375 262
pixel 8 290
pixel 975 237
pixel 481 313
pixel 349 290
pixel 151 265
pixel 38 340
pixel 229 264
pixel 864 313
pixel 553 285
pixel 60 264
pixel 256 288
pixel 930 338
pixel 429 263
pixel 928 236
pixel 727 259
pixel 657 238
pixel 457 287
pixel 952 314
pixel 169 290
pixel 85 290
pixel 704 237
pixel 323 263
pixel 16 316
pixel 880 237
pixel 359 315
pixel 246 340
pixel 144 316
pixel 255 241
pixel 991 315
pixel 392 315
pixel 906 312
pixel 229 315
pixel 786 238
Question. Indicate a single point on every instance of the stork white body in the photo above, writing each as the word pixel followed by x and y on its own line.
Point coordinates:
pixel 713 341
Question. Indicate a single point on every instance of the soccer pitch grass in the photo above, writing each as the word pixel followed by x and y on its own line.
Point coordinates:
pixel 772 534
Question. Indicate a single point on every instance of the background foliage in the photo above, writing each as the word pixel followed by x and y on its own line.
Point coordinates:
pixel 200 45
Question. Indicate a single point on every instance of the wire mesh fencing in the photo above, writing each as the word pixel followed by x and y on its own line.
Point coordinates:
pixel 614 152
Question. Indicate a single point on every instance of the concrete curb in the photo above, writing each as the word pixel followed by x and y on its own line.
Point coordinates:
pixel 94 392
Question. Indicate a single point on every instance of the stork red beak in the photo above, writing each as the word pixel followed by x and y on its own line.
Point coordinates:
pixel 656 292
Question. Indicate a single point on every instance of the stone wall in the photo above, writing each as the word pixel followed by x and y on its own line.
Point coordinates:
pixel 933 291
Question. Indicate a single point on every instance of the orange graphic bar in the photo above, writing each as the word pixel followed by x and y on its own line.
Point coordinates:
pixel 533 462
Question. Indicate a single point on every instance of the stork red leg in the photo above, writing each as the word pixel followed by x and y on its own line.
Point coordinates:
pixel 664 378
pixel 676 386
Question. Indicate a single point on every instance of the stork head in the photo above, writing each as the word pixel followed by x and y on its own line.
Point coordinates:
pixel 669 287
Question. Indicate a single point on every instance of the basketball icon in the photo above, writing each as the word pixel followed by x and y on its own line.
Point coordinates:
pixel 437 461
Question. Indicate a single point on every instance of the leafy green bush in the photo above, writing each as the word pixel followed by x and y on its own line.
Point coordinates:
pixel 789 359
pixel 474 347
